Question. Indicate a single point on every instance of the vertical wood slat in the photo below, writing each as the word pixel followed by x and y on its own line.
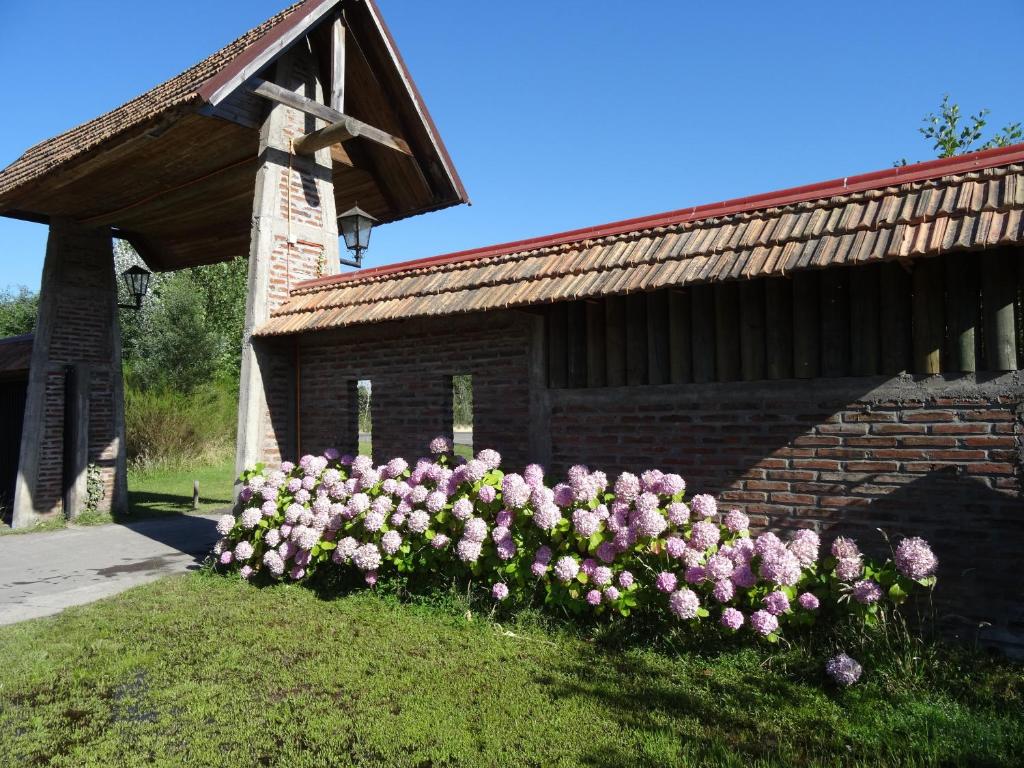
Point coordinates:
pixel 615 340
pixel 577 348
pixel 596 344
pixel 928 320
pixel 636 339
pixel 835 322
pixel 895 310
pixel 752 330
pixel 806 325
pixel 999 284
pixel 657 338
pixel 558 341
pixel 865 332
pixel 702 325
pixel 680 354
pixel 962 302
pixel 727 331
pixel 779 327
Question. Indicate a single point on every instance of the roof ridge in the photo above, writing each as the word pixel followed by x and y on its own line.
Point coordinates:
pixel 902 177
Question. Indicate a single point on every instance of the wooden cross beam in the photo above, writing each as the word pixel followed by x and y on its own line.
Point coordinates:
pixel 342 127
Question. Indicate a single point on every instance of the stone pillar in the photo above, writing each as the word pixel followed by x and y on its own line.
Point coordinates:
pixel 294 238
pixel 76 375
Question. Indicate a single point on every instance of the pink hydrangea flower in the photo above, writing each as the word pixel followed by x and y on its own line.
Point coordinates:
pixel 843 669
pixel 915 559
pixel 440 445
pixel 763 623
pixel 808 601
pixel 611 594
pixel 704 535
pixel 736 521
pixel 867 591
pixel 724 591
pixel 776 603
pixel 684 603
pixel 625 579
pixel 566 569
pixel 594 597
pixel 666 581
pixel 732 619
pixel 499 591
pixel 704 505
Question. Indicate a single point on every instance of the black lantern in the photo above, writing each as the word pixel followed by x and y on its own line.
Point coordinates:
pixel 355 224
pixel 137 280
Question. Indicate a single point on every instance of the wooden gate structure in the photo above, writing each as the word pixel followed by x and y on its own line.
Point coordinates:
pixel 251 152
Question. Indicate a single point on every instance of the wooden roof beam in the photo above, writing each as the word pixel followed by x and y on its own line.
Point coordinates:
pixel 342 127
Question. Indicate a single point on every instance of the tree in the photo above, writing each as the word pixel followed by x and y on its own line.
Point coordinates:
pixel 951 135
pixel 18 310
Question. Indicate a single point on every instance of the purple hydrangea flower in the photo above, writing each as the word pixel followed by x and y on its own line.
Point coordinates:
pixel 440 445
pixel 543 555
pixel 298 573
pixel 844 547
pixel 763 623
pixel 732 619
pixel 675 547
pixel 504 517
pixel 585 522
pixel 418 521
pixel 736 521
pixel 367 557
pixel 703 535
pixel 468 550
pixel 649 522
pixel 547 517
pixel 602 575
pixel 743 577
pixel 272 537
pixel 808 601
pixel 627 487
pixel 849 568
pixel 678 514
pixel 594 597
pixel 370 577
pixel 843 669
pixel 666 581
pixel 391 542
pixel 611 594
pixel 246 572
pixel 867 591
pixel 534 475
pixel 487 494
pixel 538 569
pixel 499 591
pixel 724 591
pixel 781 568
pixel 607 551
pixel 684 603
pixel 475 529
pixel 436 501
pixel 671 484
pixel 490 458
pixel 805 545
pixel 273 562
pixel 625 579
pixel 243 551
pixel 440 541
pixel 566 568
pixel 776 603
pixel 226 557
pixel 704 505
pixel 915 559
pixel 225 524
pixel 719 567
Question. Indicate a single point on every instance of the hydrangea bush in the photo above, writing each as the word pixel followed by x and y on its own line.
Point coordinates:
pixel 586 544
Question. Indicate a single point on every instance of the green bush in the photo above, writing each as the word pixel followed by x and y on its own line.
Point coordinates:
pixel 166 428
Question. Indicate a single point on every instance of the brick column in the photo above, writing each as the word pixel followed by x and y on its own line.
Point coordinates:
pixel 294 238
pixel 75 375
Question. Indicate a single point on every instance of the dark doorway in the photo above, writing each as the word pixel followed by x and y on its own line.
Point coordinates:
pixel 12 415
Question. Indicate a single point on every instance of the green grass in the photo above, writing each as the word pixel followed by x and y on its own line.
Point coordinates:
pixel 204 670
pixel 465 451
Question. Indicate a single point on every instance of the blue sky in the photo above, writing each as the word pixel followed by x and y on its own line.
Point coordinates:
pixel 571 113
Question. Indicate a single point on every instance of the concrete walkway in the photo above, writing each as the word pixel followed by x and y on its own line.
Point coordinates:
pixel 44 573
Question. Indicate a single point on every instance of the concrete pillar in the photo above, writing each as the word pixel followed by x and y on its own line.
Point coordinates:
pixel 294 238
pixel 76 352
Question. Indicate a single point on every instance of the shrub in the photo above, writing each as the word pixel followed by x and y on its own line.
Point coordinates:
pixel 583 545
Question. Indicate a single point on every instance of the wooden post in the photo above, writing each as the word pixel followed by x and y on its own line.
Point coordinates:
pixel 195 494
pixel 727 331
pixel 779 327
pixel 577 335
pixel 636 339
pixel 806 326
pixel 835 322
pixel 657 338
pixel 865 333
pixel 929 323
pixel 702 323
pixel 962 302
pixel 596 344
pixel 680 356
pixel 752 333
pixel 895 310
pixel 999 283
pixel 615 340
pixel 558 341
pixel 338 65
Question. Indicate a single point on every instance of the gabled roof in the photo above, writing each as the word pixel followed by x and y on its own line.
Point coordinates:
pixel 174 169
pixel 968 202
pixel 16 353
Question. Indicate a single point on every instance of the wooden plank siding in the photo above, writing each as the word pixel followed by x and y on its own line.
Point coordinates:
pixel 958 313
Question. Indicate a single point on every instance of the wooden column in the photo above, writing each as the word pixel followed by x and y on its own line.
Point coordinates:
pixel 636 339
pixel 615 340
pixel 865 316
pixel 680 354
pixel 929 323
pixel 657 338
pixel 999 288
pixel 963 300
pixel 558 345
pixel 727 331
pixel 752 331
pixel 779 327
pixel 596 344
pixel 806 325
pixel 895 308
pixel 702 323
pixel 577 334
pixel 835 322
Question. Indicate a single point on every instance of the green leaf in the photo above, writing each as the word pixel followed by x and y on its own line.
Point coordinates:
pixel 327 546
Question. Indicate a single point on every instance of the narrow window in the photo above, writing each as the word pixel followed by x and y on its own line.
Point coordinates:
pixel 364 396
pixel 462 414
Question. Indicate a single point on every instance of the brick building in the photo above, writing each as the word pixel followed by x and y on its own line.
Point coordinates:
pixel 843 354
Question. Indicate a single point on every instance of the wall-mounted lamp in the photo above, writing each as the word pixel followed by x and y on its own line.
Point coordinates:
pixel 355 225
pixel 137 279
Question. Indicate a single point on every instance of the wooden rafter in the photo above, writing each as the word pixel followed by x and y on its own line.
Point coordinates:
pixel 342 127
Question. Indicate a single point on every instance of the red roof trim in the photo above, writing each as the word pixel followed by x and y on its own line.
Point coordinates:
pixel 930 169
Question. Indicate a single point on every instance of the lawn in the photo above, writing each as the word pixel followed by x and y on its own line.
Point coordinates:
pixel 203 670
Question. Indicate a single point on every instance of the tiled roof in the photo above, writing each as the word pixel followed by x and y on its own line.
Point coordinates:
pixel 16 353
pixel 970 202
pixel 179 90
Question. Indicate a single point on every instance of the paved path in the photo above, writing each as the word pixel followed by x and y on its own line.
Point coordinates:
pixel 44 573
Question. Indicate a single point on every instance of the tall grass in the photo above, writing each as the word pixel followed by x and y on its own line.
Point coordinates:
pixel 171 430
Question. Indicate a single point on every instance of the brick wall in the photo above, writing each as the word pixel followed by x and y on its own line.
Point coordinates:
pixel 939 457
